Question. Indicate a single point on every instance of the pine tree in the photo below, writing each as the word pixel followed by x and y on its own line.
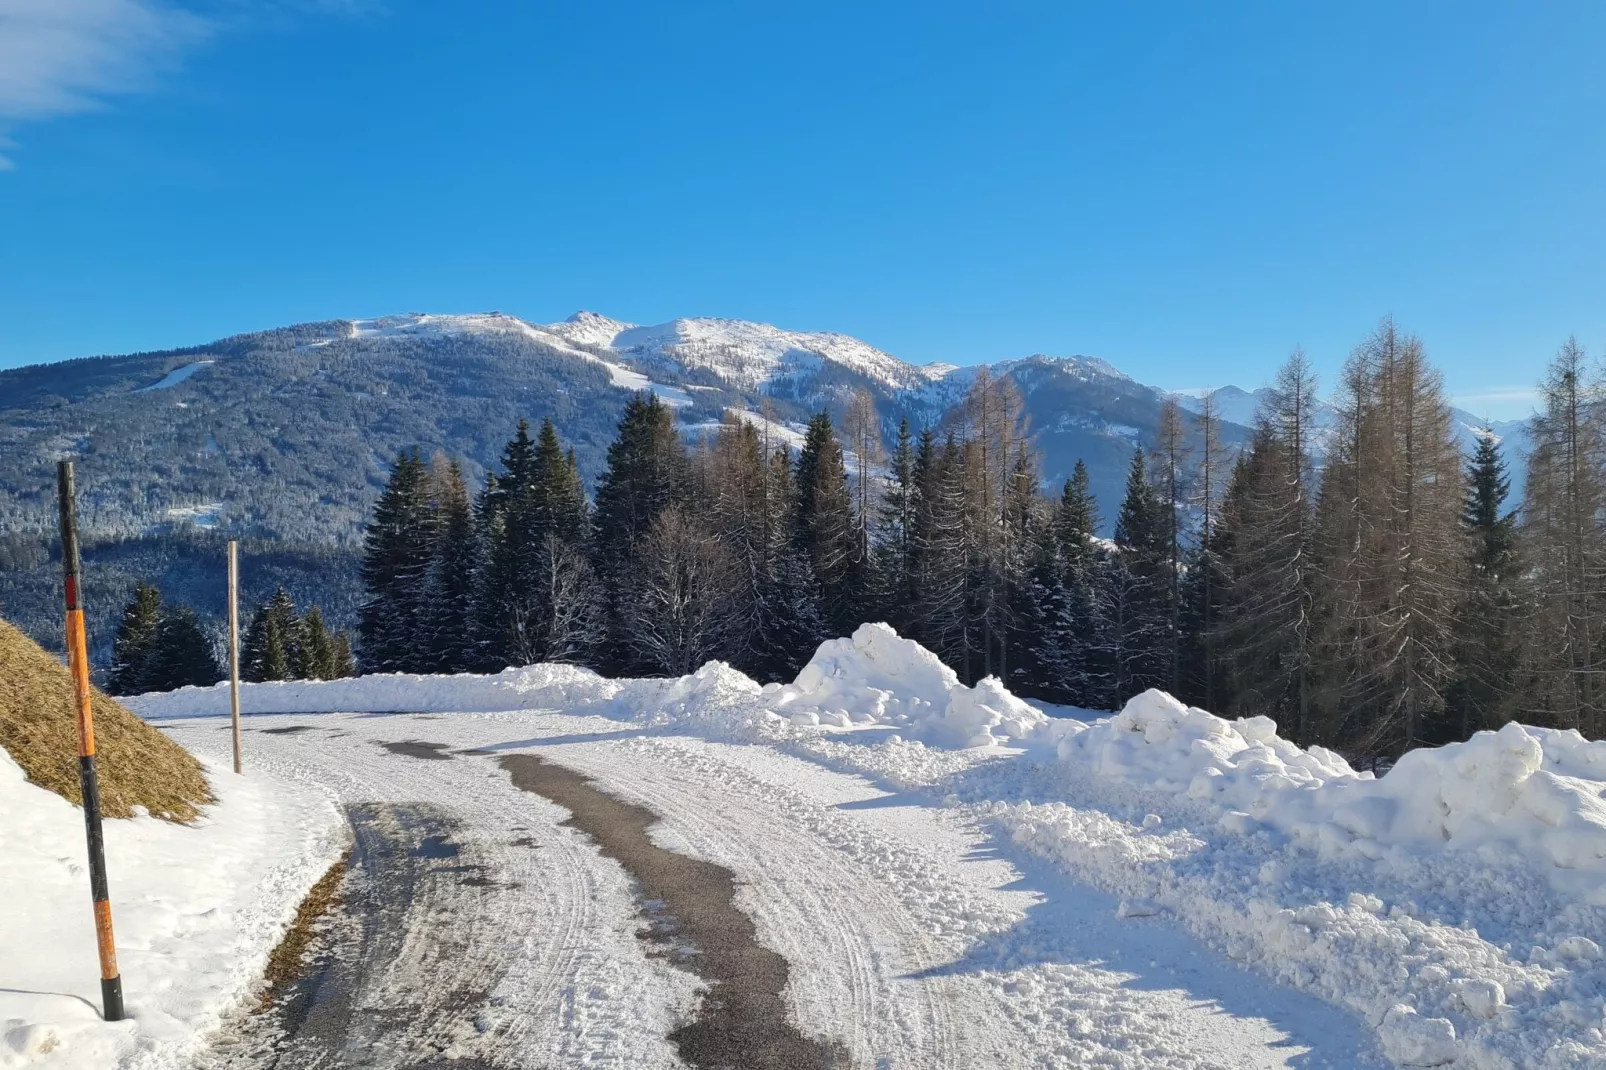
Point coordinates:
pixel 1484 694
pixel 314 654
pixel 398 550
pixel 895 572
pixel 827 528
pixel 270 648
pixel 1080 662
pixel 183 656
pixel 1139 596
pixel 345 665
pixel 647 472
pixel 136 642
pixel 452 577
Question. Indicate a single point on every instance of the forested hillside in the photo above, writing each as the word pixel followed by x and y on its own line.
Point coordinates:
pixel 1393 596
pixel 285 437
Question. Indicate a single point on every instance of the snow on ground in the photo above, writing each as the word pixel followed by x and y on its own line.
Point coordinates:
pixel 912 940
pixel 196 911
pixel 1453 905
pixel 175 377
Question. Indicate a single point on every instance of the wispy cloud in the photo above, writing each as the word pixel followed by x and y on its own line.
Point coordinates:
pixel 61 57
pixel 1499 403
pixel 1501 395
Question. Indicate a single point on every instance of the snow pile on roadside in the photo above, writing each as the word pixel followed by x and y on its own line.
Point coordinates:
pixel 197 909
pixel 1499 794
pixel 877 677
pixel 874 678
pixel 543 686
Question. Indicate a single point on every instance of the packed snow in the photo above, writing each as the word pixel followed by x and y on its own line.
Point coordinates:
pixel 196 911
pixel 1455 904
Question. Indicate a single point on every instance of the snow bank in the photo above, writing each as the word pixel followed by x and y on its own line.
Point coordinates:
pixel 197 909
pixel 1516 794
pixel 533 687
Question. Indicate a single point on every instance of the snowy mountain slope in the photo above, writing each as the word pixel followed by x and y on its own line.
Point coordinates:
pixel 287 435
pixel 751 356
pixel 1239 406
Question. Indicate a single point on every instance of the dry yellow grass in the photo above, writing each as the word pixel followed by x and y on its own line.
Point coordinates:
pixel 137 765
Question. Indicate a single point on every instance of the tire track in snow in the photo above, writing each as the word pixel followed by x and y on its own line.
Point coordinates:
pixel 544 924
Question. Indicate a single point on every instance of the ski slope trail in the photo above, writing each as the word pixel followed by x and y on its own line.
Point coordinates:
pixel 912 938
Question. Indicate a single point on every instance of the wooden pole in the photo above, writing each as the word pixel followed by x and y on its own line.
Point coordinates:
pixel 234 646
pixel 111 984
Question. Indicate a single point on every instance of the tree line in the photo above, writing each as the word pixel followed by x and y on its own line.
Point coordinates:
pixel 160 647
pixel 1358 580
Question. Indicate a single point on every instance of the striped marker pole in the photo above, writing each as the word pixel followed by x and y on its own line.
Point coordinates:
pixel 111 985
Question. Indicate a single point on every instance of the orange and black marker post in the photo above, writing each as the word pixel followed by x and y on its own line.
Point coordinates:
pixel 111 985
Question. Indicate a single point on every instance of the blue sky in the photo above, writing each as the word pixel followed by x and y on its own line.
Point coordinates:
pixel 1188 190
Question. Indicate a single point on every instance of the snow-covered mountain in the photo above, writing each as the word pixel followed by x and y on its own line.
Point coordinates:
pixel 1242 407
pixel 1081 407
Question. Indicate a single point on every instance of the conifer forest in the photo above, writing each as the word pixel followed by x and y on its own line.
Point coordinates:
pixel 1365 584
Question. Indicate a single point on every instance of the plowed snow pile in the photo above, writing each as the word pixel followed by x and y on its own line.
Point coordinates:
pixel 1457 903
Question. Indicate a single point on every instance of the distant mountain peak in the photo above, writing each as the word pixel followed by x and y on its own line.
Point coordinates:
pixel 591 328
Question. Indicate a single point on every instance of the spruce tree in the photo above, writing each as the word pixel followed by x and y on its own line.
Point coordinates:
pixel 1493 615
pixel 345 665
pixel 1078 663
pixel 537 597
pixel 270 650
pixel 647 472
pixel 1076 520
pixel 398 550
pixel 183 656
pixel 449 612
pixel 314 653
pixel 135 643
pixel 943 613
pixel 895 572
pixel 1141 640
pixel 826 526
pixel 789 624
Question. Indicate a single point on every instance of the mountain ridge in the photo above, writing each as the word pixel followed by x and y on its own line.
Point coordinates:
pixel 285 436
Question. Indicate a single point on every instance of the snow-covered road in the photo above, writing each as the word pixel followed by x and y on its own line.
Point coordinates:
pixel 914 938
